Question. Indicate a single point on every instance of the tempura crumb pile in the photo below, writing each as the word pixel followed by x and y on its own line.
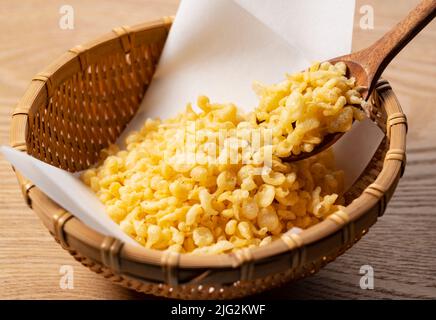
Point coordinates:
pixel 202 182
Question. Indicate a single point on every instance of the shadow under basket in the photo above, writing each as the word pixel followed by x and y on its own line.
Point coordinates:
pixel 84 100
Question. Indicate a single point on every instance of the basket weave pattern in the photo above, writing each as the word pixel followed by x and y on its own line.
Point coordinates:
pixel 84 100
pixel 90 109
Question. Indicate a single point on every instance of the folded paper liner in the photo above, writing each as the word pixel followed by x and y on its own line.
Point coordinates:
pixel 218 48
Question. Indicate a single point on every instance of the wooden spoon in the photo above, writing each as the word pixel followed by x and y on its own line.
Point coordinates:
pixel 367 65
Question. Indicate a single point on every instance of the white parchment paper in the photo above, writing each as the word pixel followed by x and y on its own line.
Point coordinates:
pixel 218 48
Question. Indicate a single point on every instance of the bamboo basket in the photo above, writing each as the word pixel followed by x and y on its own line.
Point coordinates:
pixel 84 100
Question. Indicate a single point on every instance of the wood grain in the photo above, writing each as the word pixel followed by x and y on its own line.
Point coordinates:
pixel 400 247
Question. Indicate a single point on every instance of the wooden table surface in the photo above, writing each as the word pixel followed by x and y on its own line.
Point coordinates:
pixel 401 247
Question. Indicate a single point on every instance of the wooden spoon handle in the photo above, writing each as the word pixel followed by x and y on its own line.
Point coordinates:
pixel 376 58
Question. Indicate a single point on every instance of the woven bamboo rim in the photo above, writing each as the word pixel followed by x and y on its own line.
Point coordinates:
pixel 83 101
